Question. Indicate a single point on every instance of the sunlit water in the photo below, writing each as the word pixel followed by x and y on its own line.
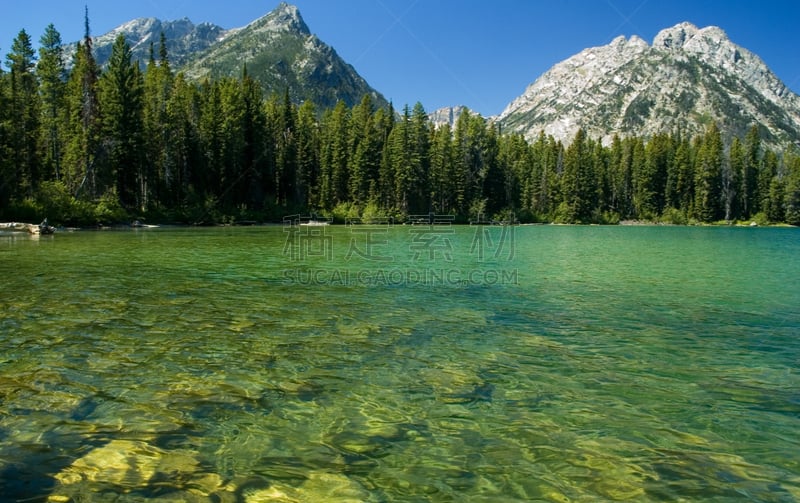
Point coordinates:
pixel 401 364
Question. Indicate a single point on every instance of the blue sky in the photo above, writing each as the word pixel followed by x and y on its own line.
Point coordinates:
pixel 448 52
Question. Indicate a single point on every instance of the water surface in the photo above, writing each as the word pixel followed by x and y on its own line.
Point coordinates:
pixel 538 363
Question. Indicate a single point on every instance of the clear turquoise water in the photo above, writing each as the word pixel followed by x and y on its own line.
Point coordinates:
pixel 565 364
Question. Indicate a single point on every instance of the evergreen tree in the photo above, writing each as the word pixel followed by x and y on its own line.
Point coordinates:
pixel 708 177
pixel 600 167
pixel 24 115
pixel 233 169
pixel 496 176
pixel 334 174
pixel 651 177
pixel 400 162
pixel 767 171
pixel 733 181
pixel 158 129
pixel 208 179
pixel 7 178
pixel 419 201
pixel 364 151
pixel 82 120
pixel 286 150
pixel 622 158
pixel 749 191
pixel 52 75
pixel 307 155
pixel 257 151
pixel 184 154
pixel 578 182
pixel 772 198
pixel 543 183
pixel 792 188
pixel 123 129
pixel 684 183
pixel 442 180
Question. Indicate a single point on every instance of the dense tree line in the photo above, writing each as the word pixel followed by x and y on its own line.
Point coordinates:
pixel 90 145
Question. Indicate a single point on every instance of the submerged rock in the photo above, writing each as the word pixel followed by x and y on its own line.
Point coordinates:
pixel 320 486
pixel 128 465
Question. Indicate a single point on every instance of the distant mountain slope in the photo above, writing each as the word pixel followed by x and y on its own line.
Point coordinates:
pixel 279 50
pixel 447 115
pixel 687 78
pixel 184 39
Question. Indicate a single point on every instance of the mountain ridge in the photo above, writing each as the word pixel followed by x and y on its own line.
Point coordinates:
pixel 279 50
pixel 686 78
pixel 683 80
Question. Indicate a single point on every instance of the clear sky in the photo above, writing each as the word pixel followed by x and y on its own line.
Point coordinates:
pixel 479 53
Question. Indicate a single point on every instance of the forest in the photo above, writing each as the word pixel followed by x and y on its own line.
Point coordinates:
pixel 84 146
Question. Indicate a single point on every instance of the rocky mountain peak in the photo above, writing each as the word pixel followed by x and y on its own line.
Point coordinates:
pixel 285 17
pixel 688 78
pixel 675 37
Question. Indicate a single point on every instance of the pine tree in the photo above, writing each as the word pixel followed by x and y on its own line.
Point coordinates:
pixel 401 163
pixel 24 110
pixel 442 182
pixel 749 176
pixel 158 130
pixel 419 200
pixel 578 182
pixel 307 138
pixel 334 173
pixel 82 120
pixel 52 78
pixel 7 178
pixel 183 148
pixel 123 130
pixel 625 154
pixel 650 180
pixel 363 151
pixel 286 150
pixel 734 177
pixel 543 178
pixel 772 197
pixel 792 188
pixel 708 177
pixel 684 182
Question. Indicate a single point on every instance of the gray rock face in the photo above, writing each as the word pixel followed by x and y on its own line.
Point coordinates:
pixel 686 79
pixel 278 49
pixel 447 115
pixel 184 39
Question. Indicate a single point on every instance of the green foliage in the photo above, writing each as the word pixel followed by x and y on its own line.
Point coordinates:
pixel 674 216
pixel 344 212
pixel 760 218
pixel 109 210
pixel 372 212
pixel 96 146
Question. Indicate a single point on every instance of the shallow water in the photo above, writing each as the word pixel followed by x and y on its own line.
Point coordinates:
pixel 403 363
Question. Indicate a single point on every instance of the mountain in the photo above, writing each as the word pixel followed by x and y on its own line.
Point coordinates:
pixel 685 79
pixel 280 51
pixel 184 39
pixel 447 115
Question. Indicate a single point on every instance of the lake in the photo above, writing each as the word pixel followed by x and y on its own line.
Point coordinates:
pixel 401 363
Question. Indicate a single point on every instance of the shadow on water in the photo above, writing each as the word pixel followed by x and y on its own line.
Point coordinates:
pixel 32 467
pixel 30 473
